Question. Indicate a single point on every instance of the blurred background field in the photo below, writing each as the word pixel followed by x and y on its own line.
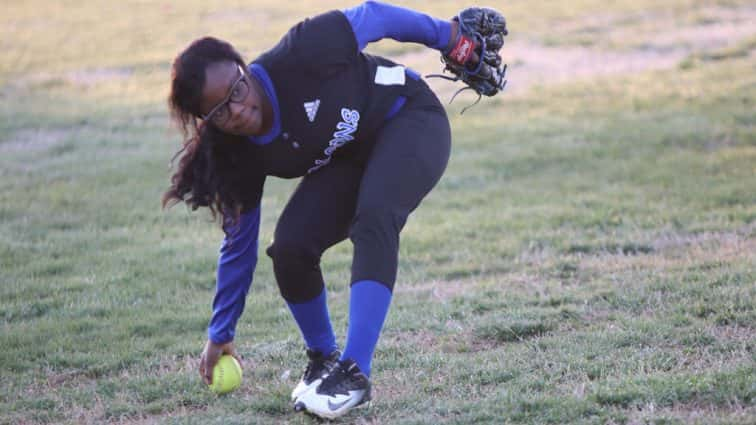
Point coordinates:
pixel 588 257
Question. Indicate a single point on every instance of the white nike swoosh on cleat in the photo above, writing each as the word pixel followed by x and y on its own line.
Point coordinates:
pixel 336 406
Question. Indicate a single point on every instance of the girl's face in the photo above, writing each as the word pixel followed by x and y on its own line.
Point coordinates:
pixel 232 100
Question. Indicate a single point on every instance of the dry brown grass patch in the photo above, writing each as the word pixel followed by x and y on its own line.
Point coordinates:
pixel 674 251
pixel 692 413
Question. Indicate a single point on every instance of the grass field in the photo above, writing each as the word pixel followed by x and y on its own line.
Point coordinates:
pixel 588 257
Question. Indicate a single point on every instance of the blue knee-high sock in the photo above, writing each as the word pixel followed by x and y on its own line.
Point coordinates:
pixel 315 323
pixel 368 305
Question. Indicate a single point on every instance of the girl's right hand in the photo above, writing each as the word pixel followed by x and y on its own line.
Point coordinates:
pixel 210 356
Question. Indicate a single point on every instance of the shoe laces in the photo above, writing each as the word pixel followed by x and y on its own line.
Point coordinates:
pixel 318 364
pixel 341 378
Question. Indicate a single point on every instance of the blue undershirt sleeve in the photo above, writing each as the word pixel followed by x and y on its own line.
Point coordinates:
pixel 236 265
pixel 372 21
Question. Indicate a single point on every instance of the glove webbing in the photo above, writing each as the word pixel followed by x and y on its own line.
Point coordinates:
pixel 474 72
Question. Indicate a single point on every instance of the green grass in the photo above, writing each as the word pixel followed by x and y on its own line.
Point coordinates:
pixel 588 257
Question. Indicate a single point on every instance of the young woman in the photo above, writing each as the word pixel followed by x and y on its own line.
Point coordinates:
pixel 367 136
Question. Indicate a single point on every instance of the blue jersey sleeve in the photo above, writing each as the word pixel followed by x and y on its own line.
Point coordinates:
pixel 372 21
pixel 236 265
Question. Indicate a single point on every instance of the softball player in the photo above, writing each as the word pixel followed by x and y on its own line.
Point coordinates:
pixel 368 138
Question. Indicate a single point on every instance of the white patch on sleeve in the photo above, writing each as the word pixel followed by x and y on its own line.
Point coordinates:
pixel 390 76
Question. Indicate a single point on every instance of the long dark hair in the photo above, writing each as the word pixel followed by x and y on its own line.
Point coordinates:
pixel 210 171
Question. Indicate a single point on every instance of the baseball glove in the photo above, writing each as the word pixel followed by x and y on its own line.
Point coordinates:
pixel 474 58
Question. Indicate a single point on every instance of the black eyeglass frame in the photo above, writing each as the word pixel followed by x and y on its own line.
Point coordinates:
pixel 227 99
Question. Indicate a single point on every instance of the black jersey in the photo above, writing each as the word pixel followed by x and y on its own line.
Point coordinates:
pixel 332 98
pixel 329 99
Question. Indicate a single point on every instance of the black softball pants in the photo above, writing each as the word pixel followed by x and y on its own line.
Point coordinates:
pixel 368 202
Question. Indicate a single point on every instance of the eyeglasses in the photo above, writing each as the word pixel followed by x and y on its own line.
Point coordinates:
pixel 220 114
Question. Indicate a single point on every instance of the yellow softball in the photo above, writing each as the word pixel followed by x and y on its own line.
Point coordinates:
pixel 227 375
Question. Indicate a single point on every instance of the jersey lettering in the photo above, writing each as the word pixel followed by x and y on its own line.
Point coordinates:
pixel 342 136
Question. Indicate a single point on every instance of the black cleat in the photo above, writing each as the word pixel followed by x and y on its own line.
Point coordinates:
pixel 314 373
pixel 343 388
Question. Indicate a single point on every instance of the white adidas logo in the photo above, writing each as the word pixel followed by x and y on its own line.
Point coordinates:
pixel 312 109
